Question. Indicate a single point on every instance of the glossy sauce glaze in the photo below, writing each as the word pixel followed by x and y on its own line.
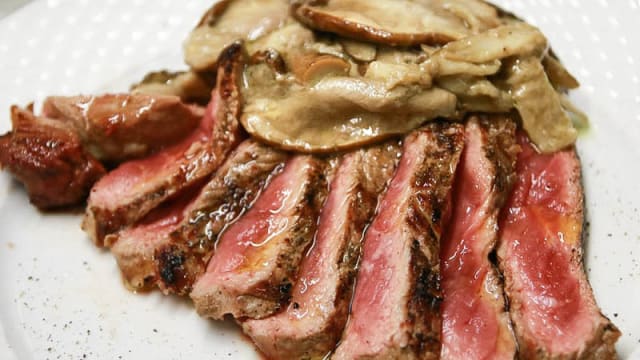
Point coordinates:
pixel 256 258
pixel 312 323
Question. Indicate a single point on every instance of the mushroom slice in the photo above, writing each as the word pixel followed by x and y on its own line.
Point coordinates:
pixel 337 112
pixel 559 76
pixel 310 68
pixel 516 39
pixel 390 22
pixel 444 67
pixel 477 94
pixel 360 51
pixel 189 86
pixel 539 105
pixel 477 14
pixel 393 75
pixel 228 21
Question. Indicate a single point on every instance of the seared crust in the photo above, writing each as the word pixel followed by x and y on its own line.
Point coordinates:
pixel 231 191
pixel 405 236
pixel 429 209
pixel 200 159
pixel 561 176
pixel 312 323
pixel 255 290
pixel 48 158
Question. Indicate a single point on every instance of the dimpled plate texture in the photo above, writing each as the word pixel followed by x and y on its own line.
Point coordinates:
pixel 61 298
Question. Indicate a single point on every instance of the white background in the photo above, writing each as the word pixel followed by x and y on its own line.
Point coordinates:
pixel 60 296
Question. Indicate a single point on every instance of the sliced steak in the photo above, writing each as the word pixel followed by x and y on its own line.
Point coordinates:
pixel 48 158
pixel 475 324
pixel 134 247
pixel 395 312
pixel 120 127
pixel 552 307
pixel 234 187
pixel 257 257
pixel 136 187
pixel 312 323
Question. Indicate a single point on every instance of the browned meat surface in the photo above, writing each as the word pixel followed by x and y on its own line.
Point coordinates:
pixel 234 187
pixel 115 128
pixel 134 247
pixel 475 323
pixel 136 187
pixel 395 312
pixel 312 323
pixel 257 258
pixel 48 158
pixel 554 313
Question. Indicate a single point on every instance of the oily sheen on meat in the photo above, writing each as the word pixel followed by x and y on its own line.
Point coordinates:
pixel 395 312
pixel 136 187
pixel 475 322
pixel 312 323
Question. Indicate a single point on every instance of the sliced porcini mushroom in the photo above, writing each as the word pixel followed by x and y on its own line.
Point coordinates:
pixel 392 75
pixel 290 41
pixel 360 51
pixel 228 22
pixel 189 86
pixel 444 67
pixel 310 68
pixel 477 94
pixel 539 105
pixel 477 14
pixel 391 22
pixel 336 113
pixel 517 39
pixel 559 76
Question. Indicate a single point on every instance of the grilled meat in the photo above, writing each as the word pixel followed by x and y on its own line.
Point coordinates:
pixel 552 307
pixel 134 247
pixel 475 324
pixel 257 258
pixel 120 127
pixel 132 190
pixel 395 312
pixel 48 158
pixel 234 187
pixel 311 325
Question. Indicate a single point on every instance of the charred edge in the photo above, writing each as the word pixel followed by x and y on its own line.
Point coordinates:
pixel 501 149
pixel 424 305
pixel 171 265
pixel 230 61
pixel 308 211
pixel 230 65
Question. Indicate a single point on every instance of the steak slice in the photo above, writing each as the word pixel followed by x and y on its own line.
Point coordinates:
pixel 475 323
pixel 48 158
pixel 134 247
pixel 257 257
pixel 234 187
pixel 312 323
pixel 552 307
pixel 120 127
pixel 136 187
pixel 395 311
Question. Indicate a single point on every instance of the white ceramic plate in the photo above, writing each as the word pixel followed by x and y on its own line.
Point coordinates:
pixel 60 297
